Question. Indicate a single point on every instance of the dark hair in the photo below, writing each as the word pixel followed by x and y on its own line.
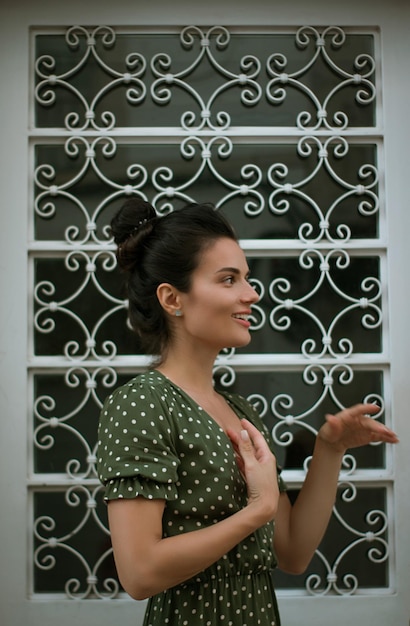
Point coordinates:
pixel 153 250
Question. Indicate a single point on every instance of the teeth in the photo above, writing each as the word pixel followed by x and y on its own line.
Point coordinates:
pixel 240 317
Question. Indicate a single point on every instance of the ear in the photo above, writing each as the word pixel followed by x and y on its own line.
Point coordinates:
pixel 168 298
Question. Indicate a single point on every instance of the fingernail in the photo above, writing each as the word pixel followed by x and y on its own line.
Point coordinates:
pixel 244 435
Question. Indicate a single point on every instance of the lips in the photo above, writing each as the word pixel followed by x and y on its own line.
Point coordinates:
pixel 241 316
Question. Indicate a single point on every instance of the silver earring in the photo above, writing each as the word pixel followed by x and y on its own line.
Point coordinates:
pixel 178 313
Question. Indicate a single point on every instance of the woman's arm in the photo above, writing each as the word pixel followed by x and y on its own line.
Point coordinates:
pixel 147 563
pixel 300 528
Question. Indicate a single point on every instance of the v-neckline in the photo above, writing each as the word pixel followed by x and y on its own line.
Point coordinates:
pixel 223 394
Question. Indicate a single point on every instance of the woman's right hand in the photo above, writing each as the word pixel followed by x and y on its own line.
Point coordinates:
pixel 258 468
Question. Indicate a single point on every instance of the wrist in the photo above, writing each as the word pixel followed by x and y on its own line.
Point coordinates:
pixel 262 511
pixel 333 449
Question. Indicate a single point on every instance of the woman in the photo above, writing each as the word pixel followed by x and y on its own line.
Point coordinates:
pixel 197 513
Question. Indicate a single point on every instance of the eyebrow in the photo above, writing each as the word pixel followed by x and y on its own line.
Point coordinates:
pixel 232 270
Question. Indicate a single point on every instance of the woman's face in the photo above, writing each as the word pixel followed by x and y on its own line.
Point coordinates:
pixel 215 311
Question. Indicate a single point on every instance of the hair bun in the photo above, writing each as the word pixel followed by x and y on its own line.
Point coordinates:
pixel 127 228
pixel 133 214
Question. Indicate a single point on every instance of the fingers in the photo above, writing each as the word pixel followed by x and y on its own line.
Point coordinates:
pixel 380 432
pixel 249 442
pixel 355 426
pixel 358 410
pixel 255 435
pixel 249 436
pixel 246 445
pixel 367 411
pixel 260 448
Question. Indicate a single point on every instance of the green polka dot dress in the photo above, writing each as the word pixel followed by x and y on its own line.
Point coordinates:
pixel 156 442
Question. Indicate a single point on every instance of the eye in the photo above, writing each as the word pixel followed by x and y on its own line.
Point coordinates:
pixel 229 280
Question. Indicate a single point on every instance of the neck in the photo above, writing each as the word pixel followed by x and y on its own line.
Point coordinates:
pixel 189 372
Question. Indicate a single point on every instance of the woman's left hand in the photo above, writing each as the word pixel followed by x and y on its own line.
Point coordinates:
pixel 353 427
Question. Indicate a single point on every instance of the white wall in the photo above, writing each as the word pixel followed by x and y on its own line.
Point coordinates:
pixel 15 20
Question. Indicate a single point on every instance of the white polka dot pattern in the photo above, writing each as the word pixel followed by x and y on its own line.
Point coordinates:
pixel 156 442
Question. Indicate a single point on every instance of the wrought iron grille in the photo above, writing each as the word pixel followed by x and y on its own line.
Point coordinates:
pixel 281 129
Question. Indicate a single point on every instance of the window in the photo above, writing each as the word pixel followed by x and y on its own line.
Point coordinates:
pixel 280 128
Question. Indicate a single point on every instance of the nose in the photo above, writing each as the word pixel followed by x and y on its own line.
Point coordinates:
pixel 249 294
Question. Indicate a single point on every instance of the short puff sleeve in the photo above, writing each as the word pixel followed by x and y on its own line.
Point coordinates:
pixel 136 453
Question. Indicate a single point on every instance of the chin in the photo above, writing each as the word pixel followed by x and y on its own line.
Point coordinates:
pixel 241 344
